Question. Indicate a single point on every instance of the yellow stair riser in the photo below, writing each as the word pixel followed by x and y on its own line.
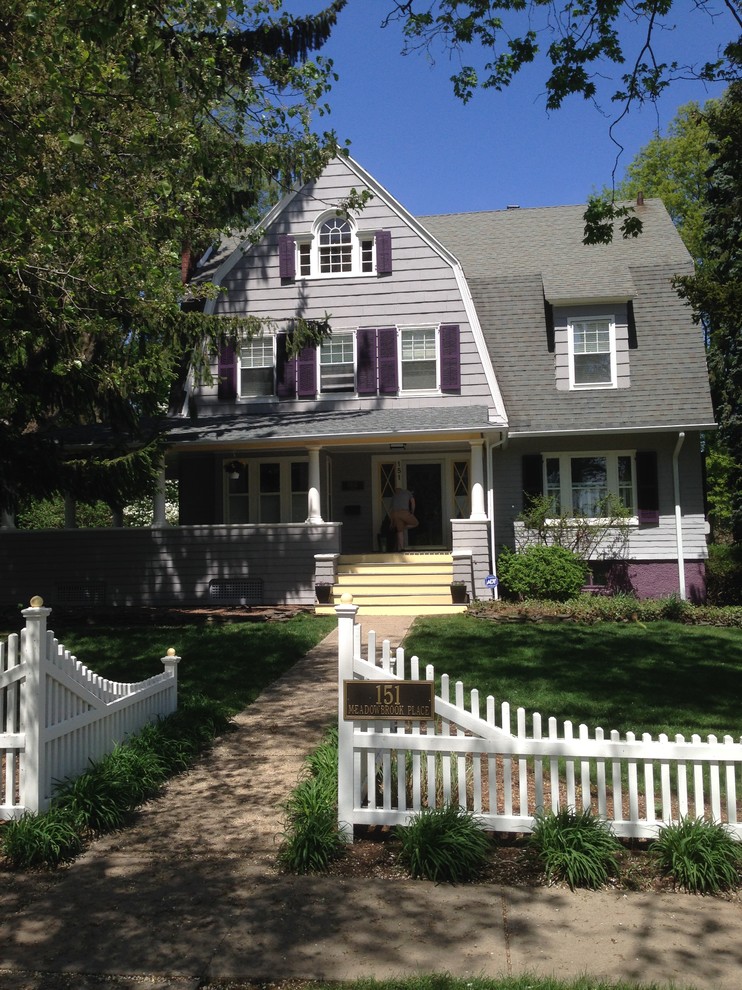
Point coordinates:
pixel 364 610
pixel 395 558
pixel 347 582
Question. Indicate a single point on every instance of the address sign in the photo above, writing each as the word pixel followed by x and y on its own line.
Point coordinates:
pixel 388 700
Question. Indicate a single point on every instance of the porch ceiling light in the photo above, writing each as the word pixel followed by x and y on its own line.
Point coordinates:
pixel 397 446
pixel 233 469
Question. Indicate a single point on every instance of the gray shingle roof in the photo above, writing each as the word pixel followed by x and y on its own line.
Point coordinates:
pixel 384 424
pixel 515 259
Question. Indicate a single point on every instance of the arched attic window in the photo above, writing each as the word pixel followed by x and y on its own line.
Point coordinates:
pixel 337 247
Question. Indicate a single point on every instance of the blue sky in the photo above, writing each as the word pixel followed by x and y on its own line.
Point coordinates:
pixel 437 155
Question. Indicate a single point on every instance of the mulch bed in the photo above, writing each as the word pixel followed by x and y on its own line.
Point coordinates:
pixel 375 851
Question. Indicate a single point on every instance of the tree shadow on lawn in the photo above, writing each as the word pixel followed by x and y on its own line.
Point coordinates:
pixel 659 677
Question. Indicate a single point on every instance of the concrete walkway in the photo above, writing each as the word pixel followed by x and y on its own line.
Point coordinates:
pixel 189 895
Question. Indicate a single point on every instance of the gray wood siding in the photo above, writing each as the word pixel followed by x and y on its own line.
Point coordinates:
pixel 421 290
pixel 645 542
pixel 164 566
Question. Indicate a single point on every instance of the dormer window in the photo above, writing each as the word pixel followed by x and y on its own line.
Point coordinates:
pixel 592 348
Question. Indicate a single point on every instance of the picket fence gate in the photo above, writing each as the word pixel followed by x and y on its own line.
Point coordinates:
pixel 56 715
pixel 389 771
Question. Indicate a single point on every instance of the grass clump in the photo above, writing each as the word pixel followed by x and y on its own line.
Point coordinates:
pixel 700 855
pixel 41 840
pixel 444 844
pixel 312 839
pixel 577 847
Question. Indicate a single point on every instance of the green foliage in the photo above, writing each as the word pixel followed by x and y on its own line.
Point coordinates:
pixel 724 574
pixel 673 167
pixel 131 135
pixel 576 847
pixel 715 291
pixel 699 855
pixel 602 536
pixel 550 572
pixel 40 840
pixel 311 838
pixel 444 844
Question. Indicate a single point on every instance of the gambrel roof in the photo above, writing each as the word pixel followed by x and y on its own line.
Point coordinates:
pixel 521 264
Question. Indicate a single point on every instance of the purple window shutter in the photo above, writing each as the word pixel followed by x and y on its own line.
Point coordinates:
pixel 227 387
pixel 286 256
pixel 285 369
pixel 388 375
pixel 383 240
pixel 451 358
pixel 647 488
pixel 306 364
pixel 366 361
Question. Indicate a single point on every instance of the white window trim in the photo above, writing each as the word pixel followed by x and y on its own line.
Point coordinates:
pixel 252 466
pixel 565 478
pixel 339 395
pixel 357 235
pixel 436 390
pixel 256 398
pixel 579 386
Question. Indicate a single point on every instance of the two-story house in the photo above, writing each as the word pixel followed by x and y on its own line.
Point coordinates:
pixel 474 360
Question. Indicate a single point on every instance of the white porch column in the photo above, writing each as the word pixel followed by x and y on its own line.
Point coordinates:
pixel 478 510
pixel 313 496
pixel 159 520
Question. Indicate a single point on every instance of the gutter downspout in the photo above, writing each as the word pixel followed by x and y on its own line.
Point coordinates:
pixel 678 516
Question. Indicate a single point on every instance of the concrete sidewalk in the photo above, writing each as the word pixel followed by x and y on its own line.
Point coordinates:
pixel 190 895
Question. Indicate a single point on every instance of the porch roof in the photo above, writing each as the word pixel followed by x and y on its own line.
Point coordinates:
pixel 331 425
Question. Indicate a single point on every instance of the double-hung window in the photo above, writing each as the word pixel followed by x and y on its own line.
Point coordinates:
pixel 592 352
pixel 585 484
pixel 256 368
pixel 336 363
pixel 419 352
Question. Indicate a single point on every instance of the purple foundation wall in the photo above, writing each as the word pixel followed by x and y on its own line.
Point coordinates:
pixel 659 578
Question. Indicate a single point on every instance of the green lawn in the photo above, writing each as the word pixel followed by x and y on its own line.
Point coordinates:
pixel 661 677
pixel 230 662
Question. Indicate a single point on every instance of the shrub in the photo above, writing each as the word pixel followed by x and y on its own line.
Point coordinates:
pixel 41 840
pixel 443 844
pixel 724 574
pixel 699 855
pixel 578 847
pixel 551 573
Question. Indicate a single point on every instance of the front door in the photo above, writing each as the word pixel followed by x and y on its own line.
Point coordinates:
pixel 425 483
pixel 425 480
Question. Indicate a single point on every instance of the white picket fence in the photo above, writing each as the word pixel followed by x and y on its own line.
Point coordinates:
pixel 505 775
pixel 56 715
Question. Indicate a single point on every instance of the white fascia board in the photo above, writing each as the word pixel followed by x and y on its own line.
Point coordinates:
pixel 500 415
pixel 598 431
